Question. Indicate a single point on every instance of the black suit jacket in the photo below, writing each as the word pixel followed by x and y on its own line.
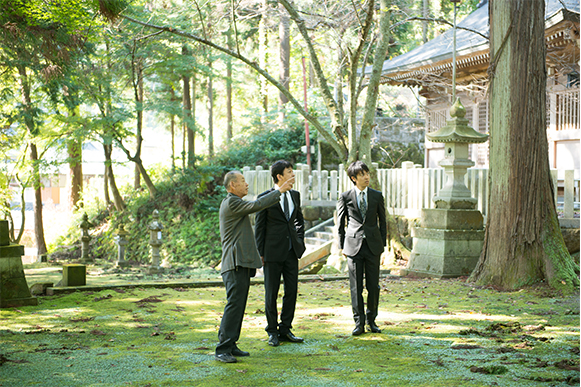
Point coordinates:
pixel 352 227
pixel 272 230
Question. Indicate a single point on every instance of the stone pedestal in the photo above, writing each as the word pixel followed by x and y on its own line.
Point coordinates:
pixel 14 290
pixel 447 244
pixel 74 274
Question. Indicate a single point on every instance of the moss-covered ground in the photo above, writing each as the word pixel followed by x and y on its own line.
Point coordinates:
pixel 435 333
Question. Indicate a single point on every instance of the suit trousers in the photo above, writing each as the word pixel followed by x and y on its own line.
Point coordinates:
pixel 237 283
pixel 364 263
pixel 289 269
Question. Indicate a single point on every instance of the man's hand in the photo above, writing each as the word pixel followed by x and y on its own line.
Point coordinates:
pixel 262 259
pixel 287 185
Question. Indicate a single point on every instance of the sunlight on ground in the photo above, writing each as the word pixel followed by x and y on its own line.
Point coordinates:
pixel 166 337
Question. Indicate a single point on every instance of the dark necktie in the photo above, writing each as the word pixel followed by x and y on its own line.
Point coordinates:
pixel 285 204
pixel 362 205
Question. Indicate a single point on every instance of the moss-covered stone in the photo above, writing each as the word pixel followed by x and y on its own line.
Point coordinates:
pixel 74 274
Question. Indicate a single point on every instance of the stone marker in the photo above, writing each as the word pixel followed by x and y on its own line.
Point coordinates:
pixel 120 239
pixel 14 290
pixel 74 274
pixel 155 242
pixel 85 238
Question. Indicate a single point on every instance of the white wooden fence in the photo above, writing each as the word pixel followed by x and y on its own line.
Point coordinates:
pixel 409 189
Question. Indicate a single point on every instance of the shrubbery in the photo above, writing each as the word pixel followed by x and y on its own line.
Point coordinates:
pixel 264 145
pixel 188 203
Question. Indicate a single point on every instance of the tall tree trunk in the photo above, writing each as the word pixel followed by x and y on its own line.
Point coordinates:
pixel 192 125
pixel 139 135
pixel 368 121
pixel 117 199
pixel 229 89
pixel 210 114
pixel 106 186
pixel 33 131
pixel 172 126
pixel 187 108
pixel 148 182
pixel 523 244
pixel 425 12
pixel 37 206
pixel 75 151
pixel 172 120
pixel 284 62
pixel 263 57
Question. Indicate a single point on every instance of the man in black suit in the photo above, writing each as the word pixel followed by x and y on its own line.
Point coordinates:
pixel 240 258
pixel 280 233
pixel 362 235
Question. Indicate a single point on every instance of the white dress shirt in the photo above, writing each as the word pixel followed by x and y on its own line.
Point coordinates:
pixel 291 205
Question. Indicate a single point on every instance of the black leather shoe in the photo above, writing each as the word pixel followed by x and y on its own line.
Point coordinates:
pixel 225 358
pixel 358 330
pixel 238 352
pixel 374 328
pixel 273 340
pixel 290 337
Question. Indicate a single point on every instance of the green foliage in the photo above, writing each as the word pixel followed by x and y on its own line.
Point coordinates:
pixel 263 144
pixel 188 203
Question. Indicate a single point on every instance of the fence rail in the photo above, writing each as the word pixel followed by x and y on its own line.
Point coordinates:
pixel 409 189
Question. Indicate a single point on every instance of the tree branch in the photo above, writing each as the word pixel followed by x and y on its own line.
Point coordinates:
pixel 313 120
pixel 334 114
pixel 441 21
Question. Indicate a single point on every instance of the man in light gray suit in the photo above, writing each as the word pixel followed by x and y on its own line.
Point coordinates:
pixel 240 258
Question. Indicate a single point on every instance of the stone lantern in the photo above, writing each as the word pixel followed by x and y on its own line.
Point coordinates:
pixel 120 239
pixel 155 242
pixel 449 240
pixel 85 238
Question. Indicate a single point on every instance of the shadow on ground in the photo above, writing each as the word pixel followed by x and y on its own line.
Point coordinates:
pixel 434 333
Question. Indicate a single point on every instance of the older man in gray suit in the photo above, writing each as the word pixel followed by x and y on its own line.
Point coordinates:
pixel 240 258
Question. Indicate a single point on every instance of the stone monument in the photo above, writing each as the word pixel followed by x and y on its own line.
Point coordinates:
pixel 85 239
pixel 120 239
pixel 14 290
pixel 155 228
pixel 449 240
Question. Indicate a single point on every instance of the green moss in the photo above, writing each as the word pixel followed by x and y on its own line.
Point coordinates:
pixel 111 338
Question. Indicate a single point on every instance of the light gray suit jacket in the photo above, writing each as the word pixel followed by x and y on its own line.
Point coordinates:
pixel 238 246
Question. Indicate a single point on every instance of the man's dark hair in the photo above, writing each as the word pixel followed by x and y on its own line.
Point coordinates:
pixel 355 169
pixel 278 169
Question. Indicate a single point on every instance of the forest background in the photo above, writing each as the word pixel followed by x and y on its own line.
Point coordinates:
pixel 97 71
pixel 74 73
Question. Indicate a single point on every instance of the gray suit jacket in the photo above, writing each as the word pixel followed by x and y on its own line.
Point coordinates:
pixel 238 246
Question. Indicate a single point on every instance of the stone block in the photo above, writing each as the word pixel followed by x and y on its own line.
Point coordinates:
pixel 311 213
pixel 327 212
pixel 74 274
pixel 444 253
pixel 40 288
pixel 452 219
pixel 12 251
